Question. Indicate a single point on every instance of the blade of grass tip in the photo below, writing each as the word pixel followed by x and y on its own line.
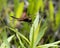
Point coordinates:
pixel 56 42
pixel 21 35
pixel 47 46
pixel 10 38
pixel 20 41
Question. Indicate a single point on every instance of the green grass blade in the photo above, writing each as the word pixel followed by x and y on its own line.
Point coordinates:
pixel 41 32
pixel 19 10
pixel 32 40
pixel 10 38
pixel 35 24
pixel 54 44
pixel 58 17
pixel 51 11
pixel 34 7
pixel 33 31
pixel 20 41
pixel 21 35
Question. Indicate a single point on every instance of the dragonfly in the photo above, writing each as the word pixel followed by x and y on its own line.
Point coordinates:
pixel 24 17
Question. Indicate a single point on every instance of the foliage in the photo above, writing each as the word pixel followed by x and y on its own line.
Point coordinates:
pixel 28 34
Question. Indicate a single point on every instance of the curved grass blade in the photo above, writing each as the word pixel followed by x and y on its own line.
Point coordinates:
pixel 20 41
pixel 21 35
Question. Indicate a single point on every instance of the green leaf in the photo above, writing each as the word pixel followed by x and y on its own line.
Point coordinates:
pixel 58 17
pixel 20 10
pixel 30 7
pixel 38 6
pixel 32 36
pixel 51 11
pixel 41 32
pixel 36 32
pixel 47 46
pixel 10 38
pixel 34 7
pixel 54 44
pixel 20 41
pixel 32 40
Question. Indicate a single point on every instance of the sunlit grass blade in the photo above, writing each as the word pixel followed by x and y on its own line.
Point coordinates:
pixel 54 44
pixel 58 17
pixel 38 6
pixel 34 7
pixel 30 7
pixel 36 32
pixel 19 10
pixel 51 11
pixel 42 31
pixel 33 31
pixel 35 24
pixel 57 20
pixel 32 40
pixel 10 38
pixel 47 46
